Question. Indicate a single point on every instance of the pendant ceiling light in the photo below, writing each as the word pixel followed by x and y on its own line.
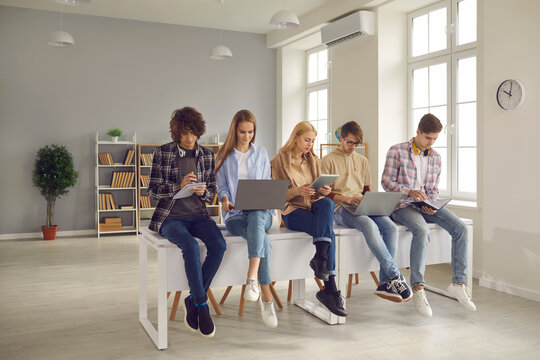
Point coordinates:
pixel 73 2
pixel 284 19
pixel 220 52
pixel 61 38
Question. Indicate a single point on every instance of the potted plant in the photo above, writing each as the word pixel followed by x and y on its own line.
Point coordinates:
pixel 53 174
pixel 114 134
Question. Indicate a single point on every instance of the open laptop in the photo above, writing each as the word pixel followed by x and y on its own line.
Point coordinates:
pixel 261 194
pixel 375 204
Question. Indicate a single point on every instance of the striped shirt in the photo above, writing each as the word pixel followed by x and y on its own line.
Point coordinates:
pixel 165 180
pixel 400 173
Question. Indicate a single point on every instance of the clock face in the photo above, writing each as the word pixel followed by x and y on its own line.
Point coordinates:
pixel 510 94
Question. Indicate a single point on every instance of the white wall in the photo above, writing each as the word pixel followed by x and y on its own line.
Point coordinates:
pixel 121 73
pixel 355 91
pixel 508 257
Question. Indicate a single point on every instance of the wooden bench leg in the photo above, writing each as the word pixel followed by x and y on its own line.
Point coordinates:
pixel 349 286
pixel 375 278
pixel 242 301
pixel 289 291
pixel 319 283
pixel 275 295
pixel 224 297
pixel 175 304
pixel 356 275
pixel 213 301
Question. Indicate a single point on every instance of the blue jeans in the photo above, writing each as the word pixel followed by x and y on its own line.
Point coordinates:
pixel 383 247
pixel 252 226
pixel 181 232
pixel 416 221
pixel 319 223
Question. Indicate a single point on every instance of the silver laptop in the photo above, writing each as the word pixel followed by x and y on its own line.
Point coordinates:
pixel 261 194
pixel 375 204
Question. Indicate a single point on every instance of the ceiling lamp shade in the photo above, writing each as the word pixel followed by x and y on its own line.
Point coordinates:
pixel 61 39
pixel 73 2
pixel 284 19
pixel 220 52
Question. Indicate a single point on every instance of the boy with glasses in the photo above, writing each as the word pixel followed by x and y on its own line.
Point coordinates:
pixel 379 232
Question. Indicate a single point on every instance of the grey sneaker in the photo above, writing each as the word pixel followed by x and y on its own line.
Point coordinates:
pixel 252 290
pixel 421 304
pixel 268 313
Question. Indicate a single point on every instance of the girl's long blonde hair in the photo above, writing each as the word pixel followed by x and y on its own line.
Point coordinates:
pixel 298 130
pixel 230 141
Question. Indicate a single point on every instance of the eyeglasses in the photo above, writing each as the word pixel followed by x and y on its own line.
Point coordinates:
pixel 352 143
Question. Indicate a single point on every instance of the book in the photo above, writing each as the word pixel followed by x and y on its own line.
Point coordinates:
pixel 129 157
pixel 112 220
pixel 435 204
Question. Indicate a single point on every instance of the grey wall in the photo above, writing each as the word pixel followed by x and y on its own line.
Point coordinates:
pixel 120 73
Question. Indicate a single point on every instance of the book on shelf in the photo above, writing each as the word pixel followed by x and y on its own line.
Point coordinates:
pixel 126 207
pixel 106 201
pixel 146 159
pixel 145 180
pixel 129 157
pixel 105 159
pixel 112 220
pixel 103 227
pixel 110 159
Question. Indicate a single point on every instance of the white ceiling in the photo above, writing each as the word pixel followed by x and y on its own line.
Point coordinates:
pixel 238 15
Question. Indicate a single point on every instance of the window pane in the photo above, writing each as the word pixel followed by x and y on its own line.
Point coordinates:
pixel 322 129
pixel 420 88
pixel 322 65
pixel 322 105
pixel 443 180
pixel 437 30
pixel 466 79
pixel 312 106
pixel 420 35
pixel 417 115
pixel 467 170
pixel 466 124
pixel 437 84
pixel 466 29
pixel 312 68
pixel 440 112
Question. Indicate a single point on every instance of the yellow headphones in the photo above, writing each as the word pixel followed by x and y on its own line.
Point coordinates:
pixel 417 151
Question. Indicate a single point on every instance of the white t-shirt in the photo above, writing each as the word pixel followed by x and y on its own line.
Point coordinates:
pixel 242 159
pixel 421 162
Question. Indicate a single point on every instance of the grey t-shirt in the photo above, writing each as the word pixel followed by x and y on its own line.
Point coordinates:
pixel 189 206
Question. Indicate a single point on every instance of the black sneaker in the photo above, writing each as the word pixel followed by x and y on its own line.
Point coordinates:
pixel 333 302
pixel 319 267
pixel 190 315
pixel 206 325
pixel 387 290
pixel 402 288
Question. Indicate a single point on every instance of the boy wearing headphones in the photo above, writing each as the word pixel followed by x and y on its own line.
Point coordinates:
pixel 414 168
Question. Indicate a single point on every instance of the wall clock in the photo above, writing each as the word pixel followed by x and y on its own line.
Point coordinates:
pixel 510 94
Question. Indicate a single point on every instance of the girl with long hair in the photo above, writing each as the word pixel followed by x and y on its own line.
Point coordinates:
pixel 240 158
pixel 308 210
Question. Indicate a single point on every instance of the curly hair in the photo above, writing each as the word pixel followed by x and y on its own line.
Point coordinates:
pixel 186 119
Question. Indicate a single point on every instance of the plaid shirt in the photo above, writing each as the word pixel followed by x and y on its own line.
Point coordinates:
pixel 400 173
pixel 165 182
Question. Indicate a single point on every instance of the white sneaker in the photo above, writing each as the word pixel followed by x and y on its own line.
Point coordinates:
pixel 252 290
pixel 421 303
pixel 268 313
pixel 463 294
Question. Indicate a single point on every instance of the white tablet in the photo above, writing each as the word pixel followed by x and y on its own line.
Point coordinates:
pixel 323 179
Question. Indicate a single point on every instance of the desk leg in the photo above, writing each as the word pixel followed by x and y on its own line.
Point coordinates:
pixel 162 297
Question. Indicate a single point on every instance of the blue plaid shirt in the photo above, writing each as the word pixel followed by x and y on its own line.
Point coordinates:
pixel 165 182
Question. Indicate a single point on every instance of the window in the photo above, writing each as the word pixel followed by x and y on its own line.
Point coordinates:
pixel 317 94
pixel 442 80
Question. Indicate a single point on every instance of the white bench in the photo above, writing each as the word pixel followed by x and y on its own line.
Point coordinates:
pixel 291 252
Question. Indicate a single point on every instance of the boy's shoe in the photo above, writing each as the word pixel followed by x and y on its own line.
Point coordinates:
pixel 206 325
pixel 463 294
pixel 333 302
pixel 268 313
pixel 421 303
pixel 252 290
pixel 402 288
pixel 319 268
pixel 388 291
pixel 190 315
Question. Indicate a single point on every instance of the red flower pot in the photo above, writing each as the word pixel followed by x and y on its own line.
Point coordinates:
pixel 49 232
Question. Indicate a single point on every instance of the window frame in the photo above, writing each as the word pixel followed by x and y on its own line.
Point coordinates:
pixel 317 86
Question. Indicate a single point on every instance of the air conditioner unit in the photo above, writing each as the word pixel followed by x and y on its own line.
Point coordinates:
pixel 359 23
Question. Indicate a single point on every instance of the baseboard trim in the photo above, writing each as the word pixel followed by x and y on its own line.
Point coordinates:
pixel 509 289
pixel 38 235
